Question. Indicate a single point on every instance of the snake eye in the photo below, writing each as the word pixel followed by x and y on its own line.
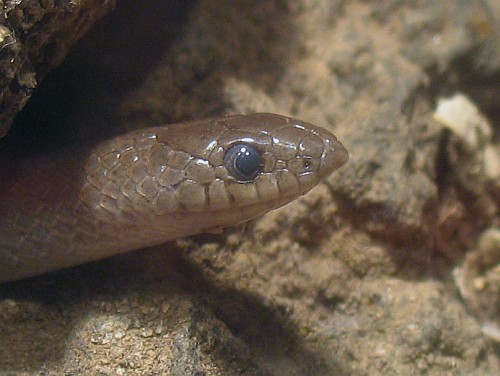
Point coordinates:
pixel 243 162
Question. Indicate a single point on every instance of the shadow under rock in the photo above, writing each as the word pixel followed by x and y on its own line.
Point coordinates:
pixel 80 100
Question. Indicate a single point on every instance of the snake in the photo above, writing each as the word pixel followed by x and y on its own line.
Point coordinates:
pixel 153 185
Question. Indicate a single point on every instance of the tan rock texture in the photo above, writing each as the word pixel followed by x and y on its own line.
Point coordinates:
pixel 356 278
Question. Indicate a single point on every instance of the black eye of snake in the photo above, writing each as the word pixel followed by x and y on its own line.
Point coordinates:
pixel 243 162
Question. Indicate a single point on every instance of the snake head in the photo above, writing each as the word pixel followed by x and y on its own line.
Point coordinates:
pixel 205 175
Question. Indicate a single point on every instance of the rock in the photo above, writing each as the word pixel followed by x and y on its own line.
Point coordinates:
pixel 35 37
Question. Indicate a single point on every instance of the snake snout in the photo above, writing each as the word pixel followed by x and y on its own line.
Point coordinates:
pixel 334 156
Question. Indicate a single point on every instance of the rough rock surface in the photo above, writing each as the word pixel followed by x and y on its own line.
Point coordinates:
pixel 35 36
pixel 355 278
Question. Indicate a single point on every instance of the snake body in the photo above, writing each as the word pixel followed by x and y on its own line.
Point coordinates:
pixel 153 185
